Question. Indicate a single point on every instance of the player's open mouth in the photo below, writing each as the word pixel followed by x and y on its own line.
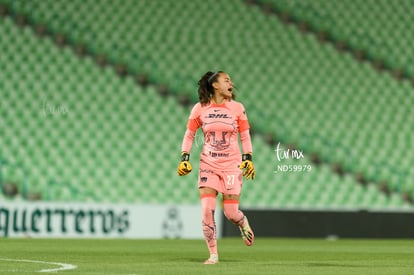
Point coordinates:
pixel 230 89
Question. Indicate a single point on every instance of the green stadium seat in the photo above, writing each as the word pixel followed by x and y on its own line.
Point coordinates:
pixel 310 95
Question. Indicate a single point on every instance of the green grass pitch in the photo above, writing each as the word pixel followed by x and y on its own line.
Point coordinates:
pixel 266 256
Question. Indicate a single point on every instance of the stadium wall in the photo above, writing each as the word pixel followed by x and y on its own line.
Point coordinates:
pixel 101 220
pixel 327 224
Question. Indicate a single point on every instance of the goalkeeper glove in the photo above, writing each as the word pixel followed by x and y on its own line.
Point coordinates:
pixel 248 166
pixel 185 166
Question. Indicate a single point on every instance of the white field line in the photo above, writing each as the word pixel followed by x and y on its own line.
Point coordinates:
pixel 62 266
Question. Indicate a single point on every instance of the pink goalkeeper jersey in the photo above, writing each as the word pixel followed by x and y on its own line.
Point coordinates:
pixel 220 124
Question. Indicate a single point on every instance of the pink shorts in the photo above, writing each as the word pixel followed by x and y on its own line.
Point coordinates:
pixel 226 182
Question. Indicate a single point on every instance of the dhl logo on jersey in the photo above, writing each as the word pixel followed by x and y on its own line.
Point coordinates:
pixel 218 116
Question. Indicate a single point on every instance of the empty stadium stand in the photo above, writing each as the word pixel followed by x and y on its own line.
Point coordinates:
pixel 79 131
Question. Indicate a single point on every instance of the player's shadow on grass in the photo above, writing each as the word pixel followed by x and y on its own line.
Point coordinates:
pixel 201 260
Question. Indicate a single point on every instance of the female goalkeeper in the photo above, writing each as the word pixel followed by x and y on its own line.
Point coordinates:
pixel 221 119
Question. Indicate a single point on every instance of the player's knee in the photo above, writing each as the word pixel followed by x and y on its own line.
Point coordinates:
pixel 227 214
pixel 208 205
pixel 208 214
pixel 230 215
pixel 232 212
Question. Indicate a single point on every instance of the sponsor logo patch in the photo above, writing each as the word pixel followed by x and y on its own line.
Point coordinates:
pixel 218 116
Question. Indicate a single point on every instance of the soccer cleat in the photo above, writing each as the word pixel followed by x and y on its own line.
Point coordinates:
pixel 212 260
pixel 247 233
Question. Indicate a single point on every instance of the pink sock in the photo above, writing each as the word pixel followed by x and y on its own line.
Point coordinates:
pixel 232 212
pixel 208 206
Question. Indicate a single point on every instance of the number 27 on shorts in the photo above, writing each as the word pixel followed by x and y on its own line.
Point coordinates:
pixel 230 182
